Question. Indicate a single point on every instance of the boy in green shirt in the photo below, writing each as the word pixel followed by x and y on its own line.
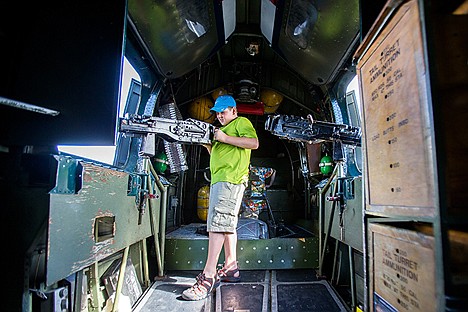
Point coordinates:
pixel 229 167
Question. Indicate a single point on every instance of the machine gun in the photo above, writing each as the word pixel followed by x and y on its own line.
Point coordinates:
pixel 189 131
pixel 311 131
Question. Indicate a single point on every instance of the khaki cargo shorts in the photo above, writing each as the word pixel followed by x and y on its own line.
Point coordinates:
pixel 225 201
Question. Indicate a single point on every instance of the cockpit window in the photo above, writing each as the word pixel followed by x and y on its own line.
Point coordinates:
pixel 301 21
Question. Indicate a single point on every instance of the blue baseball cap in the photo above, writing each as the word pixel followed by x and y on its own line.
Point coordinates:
pixel 223 102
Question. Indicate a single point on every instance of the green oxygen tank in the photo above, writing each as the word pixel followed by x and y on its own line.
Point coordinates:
pixel 326 164
pixel 160 162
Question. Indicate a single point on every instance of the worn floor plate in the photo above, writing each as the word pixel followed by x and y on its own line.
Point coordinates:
pixel 241 297
pixel 166 295
pixel 306 297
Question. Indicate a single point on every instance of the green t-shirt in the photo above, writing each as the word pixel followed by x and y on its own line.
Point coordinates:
pixel 229 163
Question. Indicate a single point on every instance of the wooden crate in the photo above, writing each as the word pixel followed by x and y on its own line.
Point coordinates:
pixel 456 258
pixel 401 270
pixel 397 145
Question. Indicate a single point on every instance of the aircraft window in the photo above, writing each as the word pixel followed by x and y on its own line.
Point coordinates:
pixel 353 111
pixel 352 101
pixel 105 154
pixel 354 117
pixel 301 21
pixel 104 228
pixel 129 73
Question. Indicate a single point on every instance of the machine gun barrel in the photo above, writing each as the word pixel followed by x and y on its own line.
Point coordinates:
pixel 189 131
pixel 308 130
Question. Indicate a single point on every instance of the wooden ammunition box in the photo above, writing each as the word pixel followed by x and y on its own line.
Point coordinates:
pixel 402 270
pixel 398 140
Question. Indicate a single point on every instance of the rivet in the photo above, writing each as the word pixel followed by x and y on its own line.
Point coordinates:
pixel 190 248
pixel 279 247
pixel 259 261
pixel 254 248
pixel 242 248
pixel 271 261
pixel 247 261
pixel 294 260
pixel 282 261
pixel 188 262
pixel 292 247
pixel 266 247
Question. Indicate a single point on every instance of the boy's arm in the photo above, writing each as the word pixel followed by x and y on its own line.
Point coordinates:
pixel 244 142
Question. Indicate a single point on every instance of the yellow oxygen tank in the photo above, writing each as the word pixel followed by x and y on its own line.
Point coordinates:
pixel 271 99
pixel 203 201
pixel 200 109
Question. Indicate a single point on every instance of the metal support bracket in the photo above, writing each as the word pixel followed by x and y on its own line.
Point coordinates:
pixel 69 176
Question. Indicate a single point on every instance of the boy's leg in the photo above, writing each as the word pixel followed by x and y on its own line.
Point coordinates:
pixel 215 244
pixel 208 280
pixel 230 250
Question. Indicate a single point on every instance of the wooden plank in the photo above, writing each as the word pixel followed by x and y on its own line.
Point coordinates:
pixel 397 135
pixel 402 268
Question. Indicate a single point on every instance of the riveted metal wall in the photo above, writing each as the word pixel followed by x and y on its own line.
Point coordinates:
pixel 72 243
pixel 276 253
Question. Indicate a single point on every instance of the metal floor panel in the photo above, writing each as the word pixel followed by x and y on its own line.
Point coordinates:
pixel 242 297
pixel 166 295
pixel 259 291
pixel 299 290
pixel 314 296
pixel 250 295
